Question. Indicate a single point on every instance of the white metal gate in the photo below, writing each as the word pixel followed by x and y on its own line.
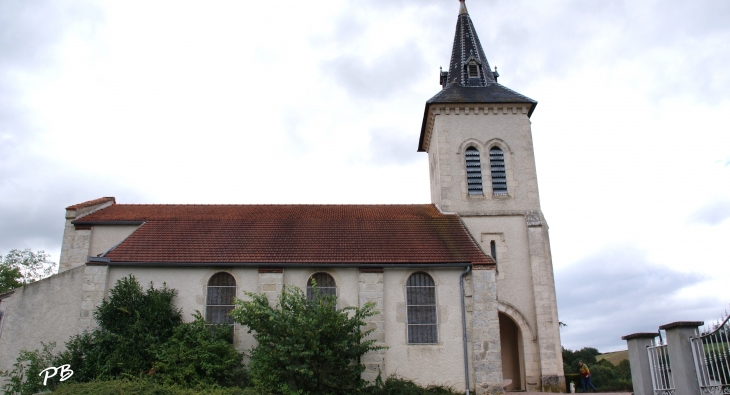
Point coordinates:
pixel 711 352
pixel 661 370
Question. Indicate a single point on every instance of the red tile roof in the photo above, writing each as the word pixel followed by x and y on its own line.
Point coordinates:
pixel 91 203
pixel 377 234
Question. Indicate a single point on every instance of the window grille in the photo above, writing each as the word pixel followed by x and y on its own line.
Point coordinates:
pixel 325 284
pixel 499 175
pixel 473 70
pixel 473 171
pixel 421 305
pixel 221 295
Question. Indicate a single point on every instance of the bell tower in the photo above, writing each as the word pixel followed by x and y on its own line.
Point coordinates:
pixel 478 136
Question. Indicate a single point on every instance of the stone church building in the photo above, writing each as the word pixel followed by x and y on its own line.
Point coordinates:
pixel 463 286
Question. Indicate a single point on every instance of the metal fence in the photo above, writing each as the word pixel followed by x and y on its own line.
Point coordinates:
pixel 661 369
pixel 711 352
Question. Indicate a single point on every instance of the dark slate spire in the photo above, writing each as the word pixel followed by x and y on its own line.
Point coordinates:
pixel 469 82
pixel 469 65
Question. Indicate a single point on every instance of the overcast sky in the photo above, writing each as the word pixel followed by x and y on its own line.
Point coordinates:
pixel 321 102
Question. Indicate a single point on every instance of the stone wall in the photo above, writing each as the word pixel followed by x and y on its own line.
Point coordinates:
pixel 487 356
pixel 371 291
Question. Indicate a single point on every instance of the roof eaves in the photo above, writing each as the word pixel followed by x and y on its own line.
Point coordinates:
pixel 440 265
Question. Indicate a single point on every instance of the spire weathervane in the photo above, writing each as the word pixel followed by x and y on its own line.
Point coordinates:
pixel 462 7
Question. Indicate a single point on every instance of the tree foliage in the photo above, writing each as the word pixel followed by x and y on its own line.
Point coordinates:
pixel 305 347
pixel 18 268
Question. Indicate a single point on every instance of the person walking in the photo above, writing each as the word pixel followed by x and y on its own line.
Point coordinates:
pixel 585 377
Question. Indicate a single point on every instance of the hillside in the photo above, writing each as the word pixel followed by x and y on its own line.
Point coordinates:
pixel 614 357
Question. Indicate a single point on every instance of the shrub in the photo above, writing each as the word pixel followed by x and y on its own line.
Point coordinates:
pixel 141 333
pixel 305 347
pixel 133 323
pixel 195 354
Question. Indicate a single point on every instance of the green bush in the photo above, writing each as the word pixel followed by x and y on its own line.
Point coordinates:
pixel 133 323
pixel 140 334
pixel 147 387
pixel 305 347
pixel 196 354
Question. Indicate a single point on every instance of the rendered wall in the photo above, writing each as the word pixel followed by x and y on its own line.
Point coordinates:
pixel 441 363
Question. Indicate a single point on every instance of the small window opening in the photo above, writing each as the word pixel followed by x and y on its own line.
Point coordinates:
pixel 473 69
pixel 325 284
pixel 421 306
pixel 473 171
pixel 499 175
pixel 493 247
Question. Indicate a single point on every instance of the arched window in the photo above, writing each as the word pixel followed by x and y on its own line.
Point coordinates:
pixel 421 305
pixel 325 283
pixel 499 175
pixel 473 171
pixel 221 294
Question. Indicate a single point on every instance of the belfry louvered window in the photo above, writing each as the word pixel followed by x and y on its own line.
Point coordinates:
pixel 473 171
pixel 421 305
pixel 473 69
pixel 325 284
pixel 499 174
pixel 219 301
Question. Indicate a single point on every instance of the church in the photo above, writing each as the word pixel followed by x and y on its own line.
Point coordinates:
pixel 463 287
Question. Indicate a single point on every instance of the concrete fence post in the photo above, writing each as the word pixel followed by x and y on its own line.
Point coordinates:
pixel 639 360
pixel 680 356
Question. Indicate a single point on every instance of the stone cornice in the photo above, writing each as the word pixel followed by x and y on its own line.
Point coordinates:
pixel 466 109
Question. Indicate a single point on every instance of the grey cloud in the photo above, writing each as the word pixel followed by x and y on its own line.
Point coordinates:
pixel 378 78
pixel 34 190
pixel 620 291
pixel 35 194
pixel 713 213
pixel 389 146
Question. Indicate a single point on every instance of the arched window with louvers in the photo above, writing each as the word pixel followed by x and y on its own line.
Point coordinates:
pixel 325 284
pixel 499 173
pixel 421 306
pixel 220 298
pixel 473 171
